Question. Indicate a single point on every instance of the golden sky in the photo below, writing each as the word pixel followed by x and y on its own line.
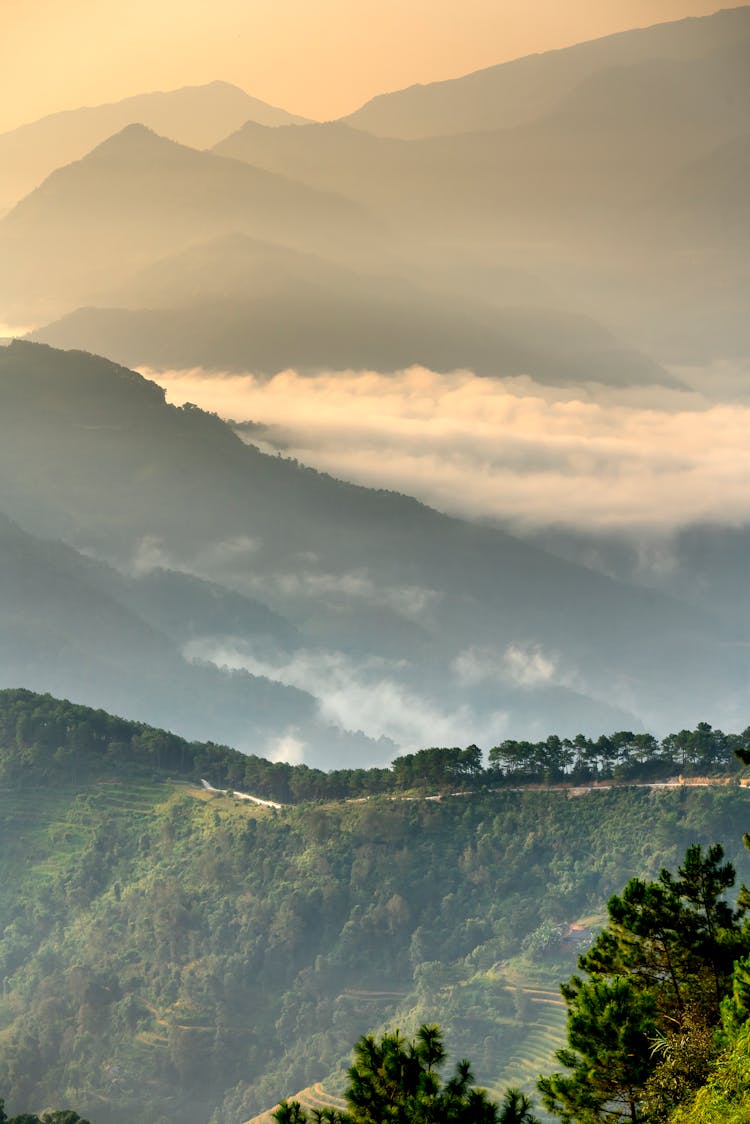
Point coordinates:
pixel 320 58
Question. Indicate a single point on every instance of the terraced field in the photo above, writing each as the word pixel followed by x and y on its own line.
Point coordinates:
pixel 64 816
pixel 539 1038
pixel 315 1096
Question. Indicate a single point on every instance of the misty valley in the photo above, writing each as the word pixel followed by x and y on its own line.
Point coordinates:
pixel 374 605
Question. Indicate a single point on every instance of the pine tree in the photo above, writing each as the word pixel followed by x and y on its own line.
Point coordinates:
pixel 657 976
pixel 395 1081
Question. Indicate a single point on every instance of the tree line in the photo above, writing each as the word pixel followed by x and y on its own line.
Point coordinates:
pixel 49 1116
pixel 53 739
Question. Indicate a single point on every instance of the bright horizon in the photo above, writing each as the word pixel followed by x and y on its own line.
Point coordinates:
pixel 321 61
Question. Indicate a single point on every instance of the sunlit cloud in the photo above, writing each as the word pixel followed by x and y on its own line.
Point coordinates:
pixel 9 332
pixel 651 459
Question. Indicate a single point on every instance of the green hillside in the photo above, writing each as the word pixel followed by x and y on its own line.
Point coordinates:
pixel 173 953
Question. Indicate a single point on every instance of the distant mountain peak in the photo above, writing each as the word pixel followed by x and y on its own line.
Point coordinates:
pixel 199 116
pixel 215 84
pixel 137 141
pixel 137 129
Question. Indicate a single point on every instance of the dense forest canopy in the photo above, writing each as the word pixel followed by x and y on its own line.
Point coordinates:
pixel 169 952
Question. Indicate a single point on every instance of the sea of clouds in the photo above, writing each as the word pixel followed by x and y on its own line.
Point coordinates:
pixel 645 460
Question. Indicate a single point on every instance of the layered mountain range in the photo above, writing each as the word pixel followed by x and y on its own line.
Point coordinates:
pixel 577 217
pixel 227 568
pixel 196 115
pixel 450 224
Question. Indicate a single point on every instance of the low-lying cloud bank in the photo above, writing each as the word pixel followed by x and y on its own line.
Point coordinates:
pixel 645 460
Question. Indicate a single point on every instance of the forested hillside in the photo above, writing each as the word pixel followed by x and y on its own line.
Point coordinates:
pixel 172 953
pixel 374 658
pixel 400 621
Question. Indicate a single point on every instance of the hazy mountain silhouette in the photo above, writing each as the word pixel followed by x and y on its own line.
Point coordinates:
pixel 581 203
pixel 317 153
pixel 139 196
pixel 610 142
pixel 73 626
pixel 623 194
pixel 515 93
pixel 706 204
pixel 689 299
pixel 704 563
pixel 372 576
pixel 196 115
pixel 239 304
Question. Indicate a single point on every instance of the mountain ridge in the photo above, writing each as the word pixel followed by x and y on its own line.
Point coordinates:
pixel 406 112
pixel 391 594
pixel 137 196
pixel 197 115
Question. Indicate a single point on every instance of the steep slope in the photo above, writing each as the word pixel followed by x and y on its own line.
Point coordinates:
pixel 516 92
pixel 71 626
pixel 196 115
pixel 172 954
pixel 137 197
pixel 371 576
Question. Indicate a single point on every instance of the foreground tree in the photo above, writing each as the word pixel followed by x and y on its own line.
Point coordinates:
pixel 640 1028
pixel 610 1026
pixel 398 1081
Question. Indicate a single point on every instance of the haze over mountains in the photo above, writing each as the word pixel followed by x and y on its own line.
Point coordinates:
pixel 576 219
pixel 138 196
pixel 420 430
pixel 228 304
pixel 595 189
pixel 606 195
pixel 608 142
pixel 75 627
pixel 515 93
pixel 197 115
pixel 403 622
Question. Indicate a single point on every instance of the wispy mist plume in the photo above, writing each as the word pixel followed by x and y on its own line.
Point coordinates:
pixel 150 554
pixel 648 460
pixel 366 694
pixel 520 666
pixel 287 748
